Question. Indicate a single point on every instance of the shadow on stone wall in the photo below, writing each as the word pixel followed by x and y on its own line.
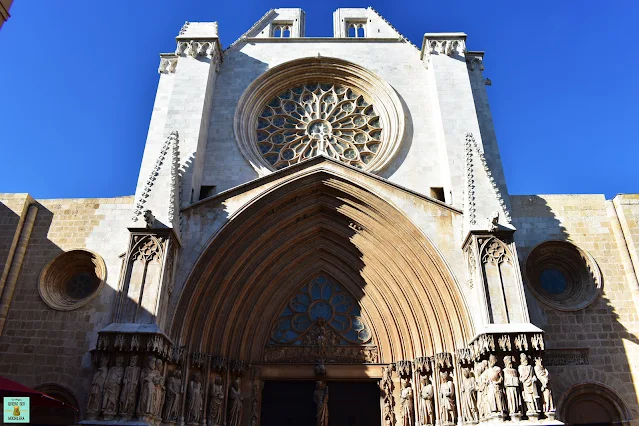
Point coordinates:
pixel 586 346
pixel 405 144
pixel 43 346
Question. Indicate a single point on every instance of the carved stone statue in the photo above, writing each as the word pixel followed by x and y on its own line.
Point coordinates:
pixel 217 397
pixel 482 386
pixel 112 389
pixel 494 395
pixel 321 399
pixel 544 379
pixel 158 398
pixel 406 404
pixel 194 401
pixel 511 383
pixel 173 396
pixel 129 388
pixel 448 409
pixel 427 404
pixel 468 397
pixel 235 399
pixel 529 386
pixel 97 386
pixel 147 389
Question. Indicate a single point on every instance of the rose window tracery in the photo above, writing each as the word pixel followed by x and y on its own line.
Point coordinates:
pixel 319 118
pixel 321 309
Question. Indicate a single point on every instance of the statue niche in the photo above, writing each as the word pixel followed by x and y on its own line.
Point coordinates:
pixel 322 322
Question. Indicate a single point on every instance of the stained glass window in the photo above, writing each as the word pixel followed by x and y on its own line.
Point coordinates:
pixel 312 119
pixel 322 303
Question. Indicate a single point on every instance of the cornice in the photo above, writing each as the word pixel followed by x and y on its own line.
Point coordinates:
pixel 443 43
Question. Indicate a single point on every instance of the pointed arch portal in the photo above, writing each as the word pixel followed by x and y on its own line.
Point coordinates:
pixel 321 225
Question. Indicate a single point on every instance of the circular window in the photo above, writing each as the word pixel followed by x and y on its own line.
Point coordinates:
pixel 562 275
pixel 72 279
pixel 314 106
pixel 319 118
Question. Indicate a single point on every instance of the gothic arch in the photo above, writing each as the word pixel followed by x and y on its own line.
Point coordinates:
pixel 592 402
pixel 321 222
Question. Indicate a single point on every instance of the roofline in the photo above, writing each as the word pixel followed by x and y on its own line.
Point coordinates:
pixel 303 164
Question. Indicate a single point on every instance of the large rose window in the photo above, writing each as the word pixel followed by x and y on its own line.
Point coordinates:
pixel 318 106
pixel 313 119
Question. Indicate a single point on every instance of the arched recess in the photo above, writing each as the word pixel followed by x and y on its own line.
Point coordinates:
pixel 593 403
pixel 321 222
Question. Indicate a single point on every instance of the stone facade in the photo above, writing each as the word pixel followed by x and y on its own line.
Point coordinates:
pixel 388 249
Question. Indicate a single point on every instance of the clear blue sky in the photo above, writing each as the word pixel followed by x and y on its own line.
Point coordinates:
pixel 79 77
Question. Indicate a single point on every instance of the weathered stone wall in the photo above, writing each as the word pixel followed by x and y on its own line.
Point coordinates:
pixel 609 327
pixel 42 345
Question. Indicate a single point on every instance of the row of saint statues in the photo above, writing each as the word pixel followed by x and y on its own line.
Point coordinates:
pixel 487 391
pixel 124 393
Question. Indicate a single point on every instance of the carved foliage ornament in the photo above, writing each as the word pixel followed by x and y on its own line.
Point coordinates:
pixel 319 118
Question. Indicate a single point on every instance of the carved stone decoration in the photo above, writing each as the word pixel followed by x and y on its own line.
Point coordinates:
pixel 158 397
pixel 255 397
pixel 112 389
pixel 521 342
pixel 504 343
pixel 447 405
pixel 468 397
pixel 235 401
pixel 529 387
pixel 147 391
pixel 308 353
pixel 335 120
pixel 406 403
pixel 403 368
pixel 321 400
pixel 336 109
pixel 494 390
pixel 537 341
pixel 217 398
pixel 511 383
pixel 563 357
pixel 173 396
pixel 426 402
pixel 495 253
pixel 97 387
pixel 194 400
pixel 471 147
pixel 167 65
pixel 544 380
pixel 447 47
pixel 129 388
pixel 481 375
pixel 150 182
pixel 389 401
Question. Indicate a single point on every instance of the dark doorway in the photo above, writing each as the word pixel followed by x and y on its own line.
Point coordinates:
pixel 353 404
pixel 290 403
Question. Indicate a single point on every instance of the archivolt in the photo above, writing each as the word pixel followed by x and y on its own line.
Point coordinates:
pixel 321 223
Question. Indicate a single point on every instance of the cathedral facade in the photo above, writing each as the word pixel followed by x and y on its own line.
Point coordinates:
pixel 322 234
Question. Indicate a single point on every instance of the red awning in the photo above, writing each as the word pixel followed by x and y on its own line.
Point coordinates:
pixel 38 399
